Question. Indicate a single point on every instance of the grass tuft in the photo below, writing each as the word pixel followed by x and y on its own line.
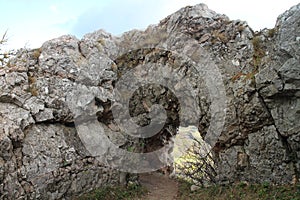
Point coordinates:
pixel 36 53
pixel 241 191
pixel 272 32
pixel 115 193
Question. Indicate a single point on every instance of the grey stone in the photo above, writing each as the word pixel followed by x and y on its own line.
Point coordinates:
pixel 194 188
pixel 289 31
pixel 45 115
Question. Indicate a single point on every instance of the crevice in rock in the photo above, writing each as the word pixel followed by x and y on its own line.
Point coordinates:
pixel 105 116
pixel 291 156
pixel 264 104
pixel 281 80
pixel 53 121
pixel 80 50
pixel 9 99
pixel 16 143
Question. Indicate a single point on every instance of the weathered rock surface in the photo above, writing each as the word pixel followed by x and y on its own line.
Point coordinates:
pixel 271 152
pixel 44 91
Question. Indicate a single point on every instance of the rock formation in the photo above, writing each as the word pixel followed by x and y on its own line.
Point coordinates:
pixel 44 91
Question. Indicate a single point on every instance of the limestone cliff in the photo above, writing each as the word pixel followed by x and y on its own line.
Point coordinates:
pixel 240 88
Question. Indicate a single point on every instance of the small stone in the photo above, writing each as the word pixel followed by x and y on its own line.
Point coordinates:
pixel 235 62
pixel 45 115
pixel 2 72
pixel 195 188
pixel 205 37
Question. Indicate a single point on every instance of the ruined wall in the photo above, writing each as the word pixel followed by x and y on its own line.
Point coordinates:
pixel 44 91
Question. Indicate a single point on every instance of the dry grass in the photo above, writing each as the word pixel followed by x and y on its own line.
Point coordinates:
pixel 36 53
pixel 219 36
pixel 272 32
pixel 31 80
pixel 4 38
pixel 101 41
pixel 3 55
pixel 248 76
pixel 258 47
pixel 241 28
pixel 32 88
pixel 259 51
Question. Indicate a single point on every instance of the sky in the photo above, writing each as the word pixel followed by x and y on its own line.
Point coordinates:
pixel 29 23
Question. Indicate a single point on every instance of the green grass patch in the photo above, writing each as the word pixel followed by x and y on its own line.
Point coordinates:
pixel 240 191
pixel 115 193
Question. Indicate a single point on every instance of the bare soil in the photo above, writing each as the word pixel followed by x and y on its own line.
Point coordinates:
pixel 159 186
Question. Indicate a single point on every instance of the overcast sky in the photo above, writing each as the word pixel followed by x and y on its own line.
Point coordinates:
pixel 32 22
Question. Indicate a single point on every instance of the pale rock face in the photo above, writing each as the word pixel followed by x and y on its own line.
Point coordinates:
pixel 44 91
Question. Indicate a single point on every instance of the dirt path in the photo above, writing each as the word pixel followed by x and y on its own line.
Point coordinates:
pixel 159 186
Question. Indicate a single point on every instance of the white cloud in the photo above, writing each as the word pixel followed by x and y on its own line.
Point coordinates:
pixel 53 8
pixel 32 35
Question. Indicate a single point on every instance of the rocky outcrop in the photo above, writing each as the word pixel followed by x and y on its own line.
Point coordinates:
pixel 70 109
pixel 271 152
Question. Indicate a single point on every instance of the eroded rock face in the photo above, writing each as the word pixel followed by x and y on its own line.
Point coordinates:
pixel 273 148
pixel 44 91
